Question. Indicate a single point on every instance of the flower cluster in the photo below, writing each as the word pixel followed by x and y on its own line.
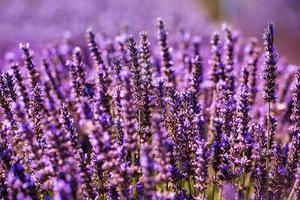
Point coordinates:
pixel 114 119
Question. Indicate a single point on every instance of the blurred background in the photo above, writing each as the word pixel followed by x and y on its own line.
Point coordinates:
pixel 43 21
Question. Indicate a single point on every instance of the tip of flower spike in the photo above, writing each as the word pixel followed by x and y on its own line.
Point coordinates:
pixel 116 60
pixel 271 27
pixel 225 26
pixel 120 39
pixel 215 38
pixel 269 31
pixel 67 35
pixel 160 23
pixel 69 63
pixel 90 30
pixel 143 34
pixel 196 39
pixel 130 37
pixel 77 50
pixel 23 46
pixel 130 41
pixel 196 59
pixel 10 57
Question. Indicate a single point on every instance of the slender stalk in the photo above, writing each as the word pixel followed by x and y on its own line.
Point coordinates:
pixel 213 189
pixel 213 192
pixel 190 185
pixel 243 184
pixel 291 194
pixel 243 180
pixel 134 179
pixel 220 193
pixel 268 147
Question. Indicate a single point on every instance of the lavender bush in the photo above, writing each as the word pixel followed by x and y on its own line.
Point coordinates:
pixel 114 119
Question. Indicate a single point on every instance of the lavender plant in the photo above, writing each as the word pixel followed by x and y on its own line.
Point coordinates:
pixel 97 120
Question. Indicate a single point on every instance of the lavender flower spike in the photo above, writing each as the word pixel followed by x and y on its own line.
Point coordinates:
pixel 270 67
pixel 30 65
pixel 166 55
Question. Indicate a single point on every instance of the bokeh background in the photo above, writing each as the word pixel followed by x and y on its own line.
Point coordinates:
pixel 42 21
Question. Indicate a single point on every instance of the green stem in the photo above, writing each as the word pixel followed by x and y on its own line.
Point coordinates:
pixel 213 192
pixel 134 179
pixel 190 185
pixel 213 189
pixel 268 148
pixel 243 183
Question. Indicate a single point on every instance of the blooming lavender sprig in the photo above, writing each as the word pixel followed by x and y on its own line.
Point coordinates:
pixel 136 72
pixel 243 109
pixel 36 112
pixel 30 65
pixel 270 86
pixel 5 105
pixel 53 81
pixel 184 42
pixel 75 82
pixel 252 64
pixel 229 59
pixel 166 55
pixel 94 47
pixel 103 84
pixel 196 45
pixel 145 59
pixel 217 66
pixel 21 85
pixel 197 74
pixel 270 67
pixel 147 95
pixel 117 99
pixel 79 65
pixel 10 86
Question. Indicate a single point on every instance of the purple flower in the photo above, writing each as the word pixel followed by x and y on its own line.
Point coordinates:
pixel 30 65
pixel 270 67
pixel 217 66
pixel 162 36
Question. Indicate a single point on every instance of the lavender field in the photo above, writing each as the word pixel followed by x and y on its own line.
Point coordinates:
pixel 146 103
